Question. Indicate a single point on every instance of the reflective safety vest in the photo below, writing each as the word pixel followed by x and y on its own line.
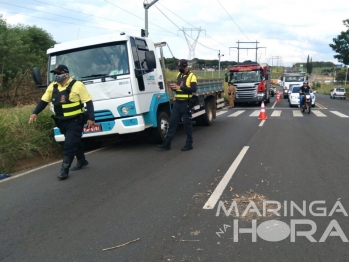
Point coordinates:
pixel 63 107
pixel 181 79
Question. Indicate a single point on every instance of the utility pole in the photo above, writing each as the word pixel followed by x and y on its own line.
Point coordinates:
pixel 238 47
pixel 346 75
pixel 146 7
pixel 219 64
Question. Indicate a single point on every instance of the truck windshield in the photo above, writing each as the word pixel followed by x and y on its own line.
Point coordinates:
pixel 246 76
pixel 93 61
pixel 294 78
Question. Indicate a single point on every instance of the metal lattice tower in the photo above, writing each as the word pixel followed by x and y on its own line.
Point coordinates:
pixel 193 45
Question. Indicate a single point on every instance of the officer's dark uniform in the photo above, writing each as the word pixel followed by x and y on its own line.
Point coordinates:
pixel 181 109
pixel 70 120
pixel 68 102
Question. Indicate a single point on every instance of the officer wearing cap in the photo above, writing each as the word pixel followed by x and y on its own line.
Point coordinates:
pixel 68 97
pixel 184 89
pixel 303 90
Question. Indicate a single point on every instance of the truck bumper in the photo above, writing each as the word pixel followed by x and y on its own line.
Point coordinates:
pixel 257 99
pixel 117 126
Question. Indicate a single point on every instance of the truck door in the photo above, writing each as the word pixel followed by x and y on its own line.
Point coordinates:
pixel 148 83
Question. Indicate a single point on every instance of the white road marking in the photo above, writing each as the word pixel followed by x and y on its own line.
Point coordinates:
pixel 212 201
pixel 318 113
pixel 255 113
pixel 262 123
pixel 237 113
pixel 221 113
pixel 274 104
pixel 297 113
pixel 339 114
pixel 276 113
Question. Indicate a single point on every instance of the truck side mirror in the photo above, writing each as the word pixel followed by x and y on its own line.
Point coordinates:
pixel 226 78
pixel 150 60
pixel 37 78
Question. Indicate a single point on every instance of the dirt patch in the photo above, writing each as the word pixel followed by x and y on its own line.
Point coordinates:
pixel 249 205
pixel 35 161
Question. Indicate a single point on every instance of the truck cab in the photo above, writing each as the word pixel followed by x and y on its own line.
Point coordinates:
pixel 127 82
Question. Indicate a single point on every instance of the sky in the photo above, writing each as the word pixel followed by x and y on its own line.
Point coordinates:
pixel 286 31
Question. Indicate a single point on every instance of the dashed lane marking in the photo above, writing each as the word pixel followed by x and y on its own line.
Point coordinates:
pixel 297 113
pixel 318 113
pixel 339 114
pixel 237 113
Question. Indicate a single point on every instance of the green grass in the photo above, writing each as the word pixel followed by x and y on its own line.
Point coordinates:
pixel 325 88
pixel 21 140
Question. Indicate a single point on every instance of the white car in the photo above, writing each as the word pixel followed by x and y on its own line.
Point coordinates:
pixel 294 96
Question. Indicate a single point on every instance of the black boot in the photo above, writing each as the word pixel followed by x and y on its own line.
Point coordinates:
pixel 67 160
pixel 187 147
pixel 80 164
pixel 166 145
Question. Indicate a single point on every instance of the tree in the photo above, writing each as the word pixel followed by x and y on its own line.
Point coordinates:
pixel 307 65
pixel 21 47
pixel 341 45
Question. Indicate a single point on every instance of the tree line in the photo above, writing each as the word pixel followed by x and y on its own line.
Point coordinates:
pixel 199 64
pixel 21 48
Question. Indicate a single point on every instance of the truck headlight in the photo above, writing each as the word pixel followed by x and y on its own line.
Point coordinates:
pixel 125 110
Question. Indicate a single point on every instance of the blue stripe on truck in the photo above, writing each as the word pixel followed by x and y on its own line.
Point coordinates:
pixel 150 118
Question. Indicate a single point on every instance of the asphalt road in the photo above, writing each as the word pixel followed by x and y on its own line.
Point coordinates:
pixel 162 199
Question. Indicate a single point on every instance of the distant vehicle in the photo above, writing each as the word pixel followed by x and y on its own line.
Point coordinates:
pixel 291 79
pixel 252 82
pixel 294 96
pixel 272 90
pixel 338 92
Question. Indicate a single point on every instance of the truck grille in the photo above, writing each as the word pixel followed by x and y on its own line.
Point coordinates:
pixel 246 92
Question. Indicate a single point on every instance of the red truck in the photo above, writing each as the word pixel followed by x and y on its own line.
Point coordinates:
pixel 252 82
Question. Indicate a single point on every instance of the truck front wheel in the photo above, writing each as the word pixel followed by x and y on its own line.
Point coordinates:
pixel 207 118
pixel 159 132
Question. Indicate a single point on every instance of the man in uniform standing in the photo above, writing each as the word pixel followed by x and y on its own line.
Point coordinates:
pixel 184 89
pixel 68 97
pixel 231 94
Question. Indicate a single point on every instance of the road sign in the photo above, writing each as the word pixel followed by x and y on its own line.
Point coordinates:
pixel 301 68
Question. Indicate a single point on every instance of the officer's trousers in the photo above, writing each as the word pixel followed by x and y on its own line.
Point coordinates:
pixel 72 131
pixel 180 110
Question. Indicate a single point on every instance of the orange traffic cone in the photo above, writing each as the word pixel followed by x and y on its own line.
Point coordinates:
pixel 278 98
pixel 262 114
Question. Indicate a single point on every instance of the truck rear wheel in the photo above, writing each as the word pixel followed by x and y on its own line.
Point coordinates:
pixel 159 132
pixel 207 118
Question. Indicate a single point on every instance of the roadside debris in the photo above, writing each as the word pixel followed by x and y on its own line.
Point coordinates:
pixel 109 248
pixel 3 176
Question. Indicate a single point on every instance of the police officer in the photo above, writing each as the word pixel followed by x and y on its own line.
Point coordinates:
pixel 184 89
pixel 68 97
pixel 231 94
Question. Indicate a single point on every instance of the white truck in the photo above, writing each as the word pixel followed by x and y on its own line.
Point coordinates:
pixel 291 79
pixel 127 82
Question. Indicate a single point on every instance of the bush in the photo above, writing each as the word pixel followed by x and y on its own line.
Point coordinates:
pixel 318 85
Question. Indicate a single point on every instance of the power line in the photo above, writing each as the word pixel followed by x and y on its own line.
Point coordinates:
pixel 191 24
pixel 233 20
pixel 185 33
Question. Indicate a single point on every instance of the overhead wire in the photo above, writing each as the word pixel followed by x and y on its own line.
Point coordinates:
pixel 184 32
pixel 191 25
pixel 233 21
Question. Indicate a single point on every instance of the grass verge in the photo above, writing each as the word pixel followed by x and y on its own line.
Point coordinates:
pixel 19 140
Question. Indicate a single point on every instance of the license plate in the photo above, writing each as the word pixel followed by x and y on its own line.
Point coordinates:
pixel 95 128
pixel 308 100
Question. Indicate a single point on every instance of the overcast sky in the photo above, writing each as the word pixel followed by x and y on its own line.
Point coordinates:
pixel 290 30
